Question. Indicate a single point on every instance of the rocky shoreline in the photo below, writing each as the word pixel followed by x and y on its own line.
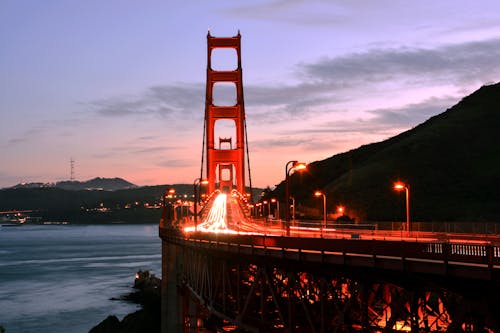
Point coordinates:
pixel 146 320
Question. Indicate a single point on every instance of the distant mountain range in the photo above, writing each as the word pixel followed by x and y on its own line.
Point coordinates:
pixel 451 162
pixel 102 184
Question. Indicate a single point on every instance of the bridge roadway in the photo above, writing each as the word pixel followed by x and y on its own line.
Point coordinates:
pixel 468 265
pixel 451 255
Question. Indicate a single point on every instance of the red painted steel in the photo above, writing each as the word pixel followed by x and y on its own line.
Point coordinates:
pixel 228 159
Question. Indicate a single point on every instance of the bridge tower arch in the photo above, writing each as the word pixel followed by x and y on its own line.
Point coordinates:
pixel 228 162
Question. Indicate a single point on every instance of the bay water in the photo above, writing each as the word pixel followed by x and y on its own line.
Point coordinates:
pixel 61 278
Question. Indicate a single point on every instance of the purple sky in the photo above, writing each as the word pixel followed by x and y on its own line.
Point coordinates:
pixel 119 85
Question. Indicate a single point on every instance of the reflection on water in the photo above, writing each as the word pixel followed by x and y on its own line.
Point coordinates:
pixel 59 278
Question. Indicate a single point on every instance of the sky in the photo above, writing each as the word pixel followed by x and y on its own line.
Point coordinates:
pixel 119 86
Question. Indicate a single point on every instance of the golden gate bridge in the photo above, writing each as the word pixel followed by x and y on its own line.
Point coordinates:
pixel 229 270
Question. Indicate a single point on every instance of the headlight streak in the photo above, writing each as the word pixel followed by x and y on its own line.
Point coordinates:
pixel 216 222
pixel 216 219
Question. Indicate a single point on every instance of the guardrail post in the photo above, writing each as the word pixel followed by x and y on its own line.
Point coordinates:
pixel 489 256
pixel 446 255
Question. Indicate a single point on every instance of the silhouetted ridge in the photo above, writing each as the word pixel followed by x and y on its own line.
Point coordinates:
pixel 98 183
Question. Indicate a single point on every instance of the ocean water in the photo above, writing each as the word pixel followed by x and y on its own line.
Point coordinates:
pixel 60 278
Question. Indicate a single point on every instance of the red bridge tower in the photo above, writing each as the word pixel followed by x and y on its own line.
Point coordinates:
pixel 225 167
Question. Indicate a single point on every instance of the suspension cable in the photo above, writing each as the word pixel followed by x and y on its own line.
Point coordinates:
pixel 248 161
pixel 203 146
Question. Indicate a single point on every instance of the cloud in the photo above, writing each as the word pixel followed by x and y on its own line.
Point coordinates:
pixel 459 63
pixel 279 142
pixel 411 114
pixel 295 12
pixel 148 138
pixel 331 85
pixel 148 150
pixel 331 82
pixel 17 140
pixel 382 121
pixel 176 163
pixel 265 10
pixel 168 101
pixel 28 135
pixel 133 150
pixel 322 139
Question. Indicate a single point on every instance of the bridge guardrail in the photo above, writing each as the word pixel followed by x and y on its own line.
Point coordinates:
pixel 471 259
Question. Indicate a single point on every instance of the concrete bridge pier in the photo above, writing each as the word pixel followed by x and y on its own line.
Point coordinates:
pixel 171 298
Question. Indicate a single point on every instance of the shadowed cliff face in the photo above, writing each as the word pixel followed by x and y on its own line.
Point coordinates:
pixel 145 320
pixel 142 321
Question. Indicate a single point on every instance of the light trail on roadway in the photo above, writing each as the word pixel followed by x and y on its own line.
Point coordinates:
pixel 226 216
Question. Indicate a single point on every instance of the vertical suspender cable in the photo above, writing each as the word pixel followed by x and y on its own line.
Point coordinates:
pixel 246 135
pixel 248 161
pixel 203 145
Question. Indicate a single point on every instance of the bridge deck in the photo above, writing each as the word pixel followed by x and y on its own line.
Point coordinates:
pixel 226 230
pixel 229 259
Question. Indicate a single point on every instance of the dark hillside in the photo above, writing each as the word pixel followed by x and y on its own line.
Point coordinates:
pixel 451 161
pixel 84 206
pixel 133 205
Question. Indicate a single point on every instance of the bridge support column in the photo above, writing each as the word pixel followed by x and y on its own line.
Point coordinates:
pixel 363 302
pixel 414 309
pixel 191 315
pixel 171 300
pixel 387 297
pixel 323 291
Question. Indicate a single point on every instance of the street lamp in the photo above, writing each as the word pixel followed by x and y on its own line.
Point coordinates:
pixel 274 200
pixel 265 202
pixel 167 213
pixel 171 195
pixel 290 165
pixel 399 186
pixel 252 210
pixel 319 194
pixel 196 184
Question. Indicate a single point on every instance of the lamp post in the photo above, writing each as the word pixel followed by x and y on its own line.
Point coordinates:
pixel 274 200
pixel 171 194
pixel 196 184
pixel 290 165
pixel 167 213
pixel 259 210
pixel 319 194
pixel 399 186
pixel 252 210
pixel 265 202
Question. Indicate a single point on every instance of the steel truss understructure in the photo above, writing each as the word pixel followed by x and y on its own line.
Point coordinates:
pixel 226 294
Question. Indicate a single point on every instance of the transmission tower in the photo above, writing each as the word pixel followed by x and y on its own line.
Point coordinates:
pixel 72 167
